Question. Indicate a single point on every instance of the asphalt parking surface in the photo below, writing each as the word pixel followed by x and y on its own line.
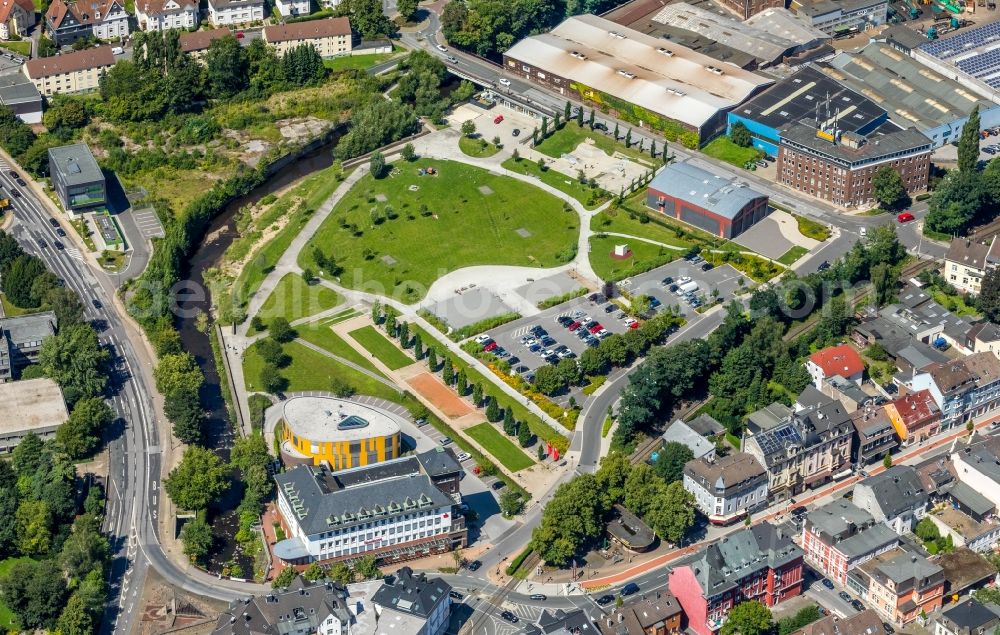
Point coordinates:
pixel 724 278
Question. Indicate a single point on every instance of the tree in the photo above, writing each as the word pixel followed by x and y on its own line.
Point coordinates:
pixel 968 144
pixel 65 112
pixel 468 128
pixel 549 381
pixel 407 9
pixel 81 434
pixel 340 573
pixel 75 618
pixel 281 330
pixel 36 593
pixel 86 548
pixel 883 284
pixel 926 530
pixel 367 569
pixel 887 461
pixel 803 617
pixel 461 383
pixel 447 371
pixel 671 459
pixel 524 436
pixel 408 153
pixel 511 503
pixel 226 67
pixel 367 18
pixel 432 359
pixel 271 351
pixel 988 301
pixel 19 278
pixel 568 370
pixel 671 511
pixel 199 479
pixel 740 135
pixel 74 359
pixel 748 618
pixel 178 372
pixel 492 410
pixel 652 148
pixel 888 188
pixel 628 138
pixel 544 132
pixel 284 578
pixel 196 536
pixel 590 120
pixel 477 394
pixel 404 334
pixel 377 164
pixel 33 522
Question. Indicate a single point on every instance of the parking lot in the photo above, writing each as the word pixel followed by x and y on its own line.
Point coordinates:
pixel 510 335
pixel 10 63
pixel 724 278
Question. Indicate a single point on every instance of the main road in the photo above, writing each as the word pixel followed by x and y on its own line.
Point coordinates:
pixel 134 491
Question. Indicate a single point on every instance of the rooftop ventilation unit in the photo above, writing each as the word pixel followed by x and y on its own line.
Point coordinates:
pixel 616 35
pixel 663 51
pixel 714 69
pixel 627 74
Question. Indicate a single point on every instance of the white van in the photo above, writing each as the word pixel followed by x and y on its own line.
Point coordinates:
pixel 691 286
pixel 117 50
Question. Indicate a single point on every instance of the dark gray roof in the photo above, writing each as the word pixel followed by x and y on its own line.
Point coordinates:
pixel 887 140
pixel 904 36
pixel 984 457
pixel 713 192
pixel 801 431
pixel 970 615
pixel 722 564
pixel 907 570
pixel 302 606
pixel 868 541
pixel 29 328
pixel 328 500
pixel 768 416
pixel 75 164
pixel 839 519
pixel 971 499
pixel 798 96
pixel 439 461
pixel 816 8
pixel 559 622
pixel 412 593
pixel 18 89
pixel 811 397
pixel 706 425
pixel 919 355
pixel 896 490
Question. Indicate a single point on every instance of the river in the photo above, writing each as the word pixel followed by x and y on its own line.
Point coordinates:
pixel 219 431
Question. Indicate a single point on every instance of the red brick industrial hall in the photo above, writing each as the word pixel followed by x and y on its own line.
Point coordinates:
pixel 707 201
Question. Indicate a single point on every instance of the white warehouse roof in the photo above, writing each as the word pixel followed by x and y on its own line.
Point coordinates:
pixel 661 76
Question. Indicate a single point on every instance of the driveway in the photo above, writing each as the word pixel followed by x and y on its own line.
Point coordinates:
pixel 766 239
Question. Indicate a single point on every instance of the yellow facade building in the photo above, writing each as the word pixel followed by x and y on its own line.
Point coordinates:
pixel 339 433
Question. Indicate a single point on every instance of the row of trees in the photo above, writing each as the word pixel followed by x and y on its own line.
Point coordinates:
pixel 577 512
pixel 60 584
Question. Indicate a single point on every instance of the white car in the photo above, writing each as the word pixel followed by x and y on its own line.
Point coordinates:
pixel 463 456
pixel 684 280
pixel 504 81
pixel 482 339
pixel 442 48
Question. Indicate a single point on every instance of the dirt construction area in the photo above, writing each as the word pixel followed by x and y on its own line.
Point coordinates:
pixel 434 391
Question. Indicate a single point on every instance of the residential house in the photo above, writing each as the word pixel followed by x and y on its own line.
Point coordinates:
pixel 866 622
pixel 235 12
pixel 978 466
pixel 680 432
pixel 840 536
pixel 161 15
pixel 967 618
pixel 393 510
pixel 839 360
pixel 894 497
pixel 759 563
pixel 21 340
pixel 330 37
pixel 291 8
pixel 768 417
pixel 985 336
pixel 560 622
pixel 304 608
pixel 937 477
pixel 73 72
pixel 196 43
pixel 16 18
pixel 874 435
pixel 76 178
pixel 967 261
pixel 409 599
pixel 899 585
pixel 979 534
pixel 655 614
pixel 706 426
pixel 914 416
pixel 69 20
pixel 846 392
pixel 20 95
pixel 963 389
pixel 808 448
pixel 727 488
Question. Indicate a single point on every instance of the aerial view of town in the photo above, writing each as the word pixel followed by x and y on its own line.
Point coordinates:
pixel 500 317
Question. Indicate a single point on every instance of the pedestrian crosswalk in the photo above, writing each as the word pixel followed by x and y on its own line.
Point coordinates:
pixel 74 253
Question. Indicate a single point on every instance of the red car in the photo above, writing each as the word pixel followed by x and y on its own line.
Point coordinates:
pixel 498 119
pixel 490 346
pixel 573 326
pixel 595 328
pixel 633 325
pixel 240 35
pixel 905 217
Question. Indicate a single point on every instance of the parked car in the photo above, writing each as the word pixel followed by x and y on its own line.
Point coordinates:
pixel 827 583
pixel 489 347
pixel 843 595
pixel 240 35
pixel 707 266
pixel 600 126
pixel 421 422
pixel 515 132
pixel 889 630
pixel 573 326
pixel 565 320
pixel 823 266
pixel 482 339
pixel 445 440
pixel 610 308
pixel 537 597
pixel 672 288
pixel 442 48
pixel 548 341
pixel 605 599
pixel 498 485
pixel 667 281
pixel 858 606
pixel 53 222
pixel 504 81
pixel 905 217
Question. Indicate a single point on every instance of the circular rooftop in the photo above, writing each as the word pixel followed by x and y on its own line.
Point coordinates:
pixel 322 419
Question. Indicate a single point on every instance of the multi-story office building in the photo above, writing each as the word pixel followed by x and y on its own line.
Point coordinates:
pixel 842 18
pixel 76 177
pixel 727 488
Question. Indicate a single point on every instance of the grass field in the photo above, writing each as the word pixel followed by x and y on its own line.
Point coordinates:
pixel 308 195
pixel 359 62
pixel 588 197
pixel 320 334
pixel 514 224
pixel 309 370
pixel 292 299
pixel 644 257
pixel 724 149
pixel 380 347
pixel 792 255
pixel 477 147
pixel 494 442
pixel 6 615
pixel 620 222
pixel 812 229
pixel 21 48
pixel 565 141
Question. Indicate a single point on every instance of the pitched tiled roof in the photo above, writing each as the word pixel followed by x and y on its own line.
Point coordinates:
pixel 838 360
pixel 70 62
pixel 85 11
pixel 916 409
pixel 970 253
pixel 200 40
pixel 6 6
pixel 311 29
